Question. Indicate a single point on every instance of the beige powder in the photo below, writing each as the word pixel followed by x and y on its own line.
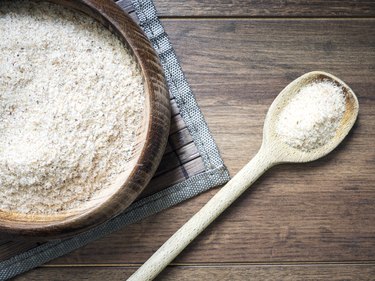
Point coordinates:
pixel 312 117
pixel 71 102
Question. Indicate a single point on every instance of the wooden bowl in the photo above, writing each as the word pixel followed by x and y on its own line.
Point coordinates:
pixel 151 140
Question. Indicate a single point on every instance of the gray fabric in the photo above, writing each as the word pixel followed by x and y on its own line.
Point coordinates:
pixel 215 172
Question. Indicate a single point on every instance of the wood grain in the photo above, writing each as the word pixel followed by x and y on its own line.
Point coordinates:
pixel 322 211
pixel 330 272
pixel 268 8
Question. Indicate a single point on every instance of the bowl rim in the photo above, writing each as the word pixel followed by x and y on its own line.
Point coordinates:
pixel 153 144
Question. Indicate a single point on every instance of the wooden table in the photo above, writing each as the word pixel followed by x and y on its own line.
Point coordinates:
pixel 299 222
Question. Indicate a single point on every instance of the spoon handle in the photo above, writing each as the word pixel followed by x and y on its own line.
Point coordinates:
pixel 209 212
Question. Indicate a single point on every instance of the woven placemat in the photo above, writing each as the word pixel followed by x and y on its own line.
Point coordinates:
pixel 191 163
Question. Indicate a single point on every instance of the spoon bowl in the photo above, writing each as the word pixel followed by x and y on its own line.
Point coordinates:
pixel 284 153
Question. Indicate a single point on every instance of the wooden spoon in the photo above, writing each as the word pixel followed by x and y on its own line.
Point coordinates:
pixel 273 151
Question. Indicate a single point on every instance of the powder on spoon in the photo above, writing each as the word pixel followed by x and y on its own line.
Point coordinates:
pixel 71 104
pixel 311 118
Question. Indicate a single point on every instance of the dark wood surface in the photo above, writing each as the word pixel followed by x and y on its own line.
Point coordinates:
pixel 262 8
pixel 298 222
pixel 347 272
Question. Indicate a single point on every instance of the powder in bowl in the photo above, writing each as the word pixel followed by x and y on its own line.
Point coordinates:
pixel 71 103
pixel 312 117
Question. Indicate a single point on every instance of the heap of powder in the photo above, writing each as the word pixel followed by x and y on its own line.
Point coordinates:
pixel 71 103
pixel 311 118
